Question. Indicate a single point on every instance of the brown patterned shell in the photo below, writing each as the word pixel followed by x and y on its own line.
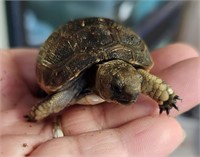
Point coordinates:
pixel 79 44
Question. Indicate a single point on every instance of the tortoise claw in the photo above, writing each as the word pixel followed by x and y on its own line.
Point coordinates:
pixel 177 97
pixel 167 111
pixel 168 105
pixel 161 110
pixel 29 118
pixel 165 108
pixel 173 105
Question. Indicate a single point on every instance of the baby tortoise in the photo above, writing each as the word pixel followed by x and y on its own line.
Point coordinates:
pixel 96 56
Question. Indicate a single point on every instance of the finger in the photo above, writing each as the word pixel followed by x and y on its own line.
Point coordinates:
pixel 81 119
pixel 167 56
pixel 184 78
pixel 13 122
pixel 181 76
pixel 20 145
pixel 25 60
pixel 150 136
pixel 15 115
pixel 12 86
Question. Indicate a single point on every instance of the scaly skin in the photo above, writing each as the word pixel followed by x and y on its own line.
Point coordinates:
pixel 52 104
pixel 158 90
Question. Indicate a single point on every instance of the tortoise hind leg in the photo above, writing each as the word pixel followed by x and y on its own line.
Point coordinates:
pixel 52 104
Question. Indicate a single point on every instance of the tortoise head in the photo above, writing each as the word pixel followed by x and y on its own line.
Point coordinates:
pixel 118 81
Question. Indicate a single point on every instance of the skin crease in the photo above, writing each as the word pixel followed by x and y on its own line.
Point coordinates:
pixel 102 130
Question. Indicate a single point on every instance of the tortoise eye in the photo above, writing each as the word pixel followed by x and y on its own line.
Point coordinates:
pixel 116 88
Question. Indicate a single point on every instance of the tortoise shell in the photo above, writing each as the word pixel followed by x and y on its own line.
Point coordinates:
pixel 79 44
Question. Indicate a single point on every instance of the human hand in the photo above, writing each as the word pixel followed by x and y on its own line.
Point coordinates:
pixel 101 130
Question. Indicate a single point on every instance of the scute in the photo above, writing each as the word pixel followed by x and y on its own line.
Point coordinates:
pixel 82 43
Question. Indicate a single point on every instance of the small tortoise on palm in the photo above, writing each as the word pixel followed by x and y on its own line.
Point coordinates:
pixel 96 56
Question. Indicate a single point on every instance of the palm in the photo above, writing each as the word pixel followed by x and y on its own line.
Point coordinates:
pixel 93 130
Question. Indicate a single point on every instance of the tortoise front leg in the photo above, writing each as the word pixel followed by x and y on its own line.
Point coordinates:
pixel 158 90
pixel 52 104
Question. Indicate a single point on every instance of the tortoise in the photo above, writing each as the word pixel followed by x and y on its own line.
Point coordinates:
pixel 91 60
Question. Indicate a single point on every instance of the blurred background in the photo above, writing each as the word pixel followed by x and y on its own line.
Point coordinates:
pixel 29 23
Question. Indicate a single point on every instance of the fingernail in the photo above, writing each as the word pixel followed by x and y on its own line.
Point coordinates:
pixel 183 134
